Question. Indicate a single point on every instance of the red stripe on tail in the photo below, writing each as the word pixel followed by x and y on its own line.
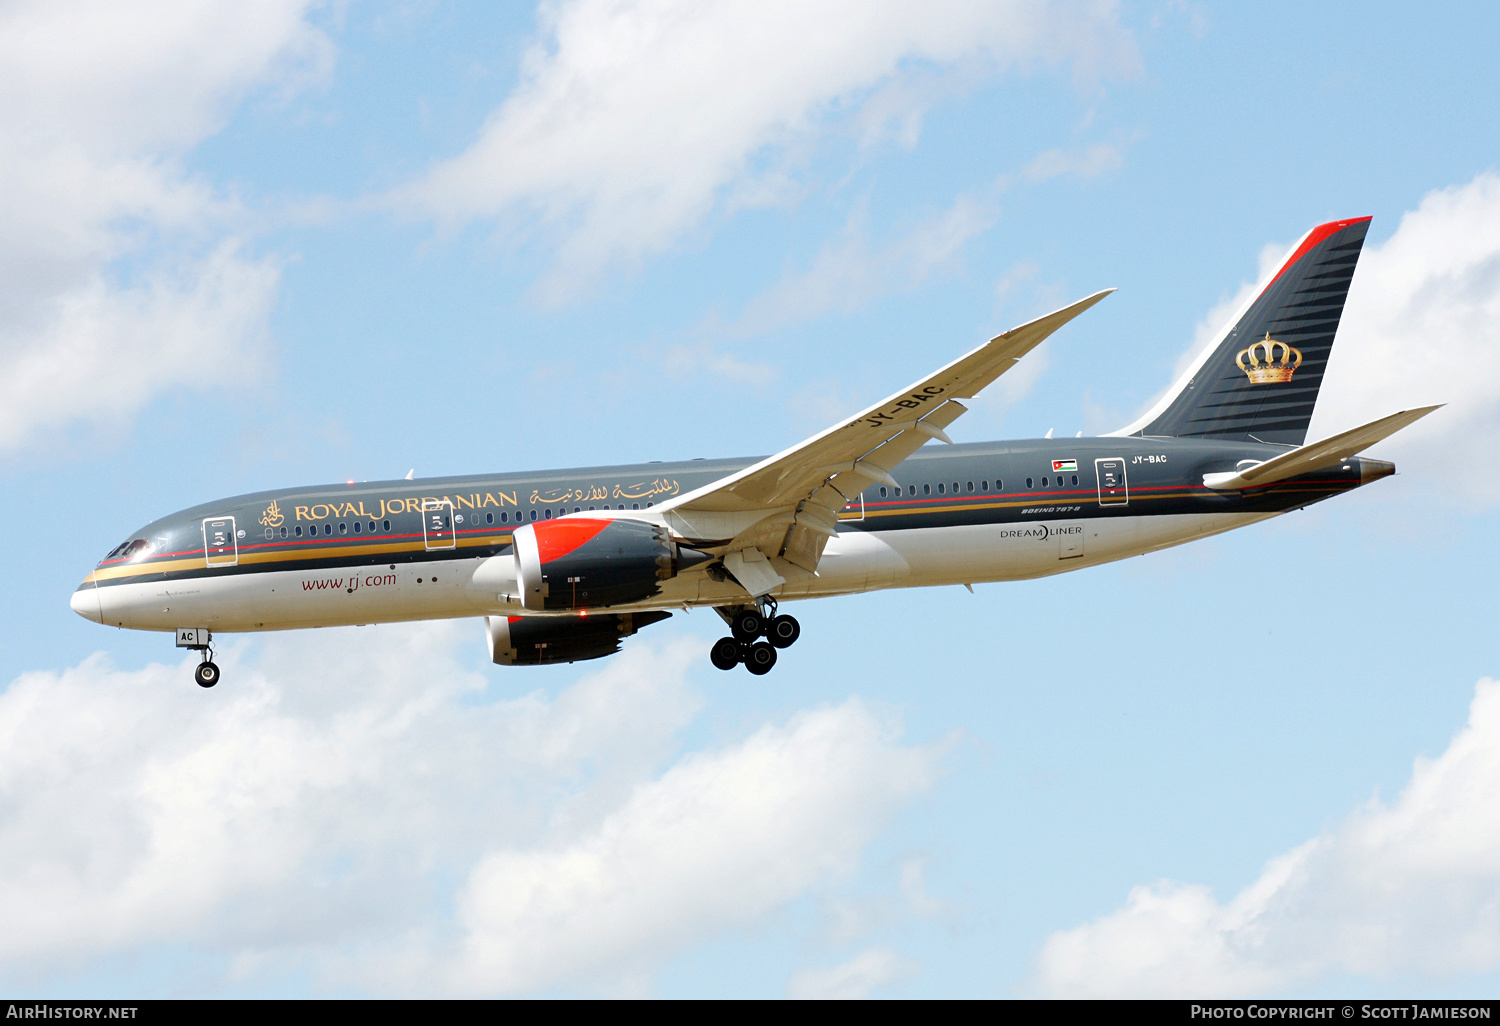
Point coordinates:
pixel 1314 237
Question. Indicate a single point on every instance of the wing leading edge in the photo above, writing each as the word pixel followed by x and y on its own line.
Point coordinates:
pixel 787 505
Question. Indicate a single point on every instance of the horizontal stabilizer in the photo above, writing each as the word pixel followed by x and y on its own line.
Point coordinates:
pixel 1310 458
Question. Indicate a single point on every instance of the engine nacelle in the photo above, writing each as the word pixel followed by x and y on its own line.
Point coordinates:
pixel 582 563
pixel 538 640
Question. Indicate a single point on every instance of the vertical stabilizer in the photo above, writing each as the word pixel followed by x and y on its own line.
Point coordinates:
pixel 1259 380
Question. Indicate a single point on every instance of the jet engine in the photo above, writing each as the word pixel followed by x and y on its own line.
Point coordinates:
pixel 580 563
pixel 538 640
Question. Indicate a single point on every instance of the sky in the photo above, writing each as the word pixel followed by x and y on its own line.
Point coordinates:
pixel 250 246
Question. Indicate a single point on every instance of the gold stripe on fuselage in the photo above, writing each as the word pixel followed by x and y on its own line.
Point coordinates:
pixel 168 566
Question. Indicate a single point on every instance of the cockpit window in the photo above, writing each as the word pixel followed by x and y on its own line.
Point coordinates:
pixel 132 549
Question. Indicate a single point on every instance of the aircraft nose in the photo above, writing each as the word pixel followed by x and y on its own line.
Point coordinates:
pixel 85 602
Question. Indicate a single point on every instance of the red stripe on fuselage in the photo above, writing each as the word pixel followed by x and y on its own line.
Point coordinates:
pixel 557 538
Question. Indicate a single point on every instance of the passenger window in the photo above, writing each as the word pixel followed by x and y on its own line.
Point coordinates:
pixel 998 484
pixel 1028 482
pixel 385 525
pixel 911 489
pixel 283 532
pixel 1075 478
pixel 343 528
pixel 955 487
pixel 533 514
pixel 882 493
pixel 489 518
pixel 356 527
pixel 970 485
pixel 546 514
pixel 327 528
pixel 635 505
pixel 927 489
pixel 372 527
pixel 940 488
pixel 985 485
pixel 299 530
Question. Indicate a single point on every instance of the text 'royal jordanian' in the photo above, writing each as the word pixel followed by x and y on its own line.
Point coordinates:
pixel 564 564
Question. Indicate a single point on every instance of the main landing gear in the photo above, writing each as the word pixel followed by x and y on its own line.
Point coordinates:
pixel 757 632
pixel 201 640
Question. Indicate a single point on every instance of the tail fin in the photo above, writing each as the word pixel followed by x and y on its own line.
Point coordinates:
pixel 1260 379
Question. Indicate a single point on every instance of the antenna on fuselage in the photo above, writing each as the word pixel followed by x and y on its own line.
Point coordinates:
pixel 409 474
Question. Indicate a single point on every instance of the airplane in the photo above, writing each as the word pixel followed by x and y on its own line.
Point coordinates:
pixel 564 564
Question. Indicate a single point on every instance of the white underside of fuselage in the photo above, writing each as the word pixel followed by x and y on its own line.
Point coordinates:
pixel 854 561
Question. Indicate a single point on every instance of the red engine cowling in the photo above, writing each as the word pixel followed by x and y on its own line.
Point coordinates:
pixel 538 640
pixel 584 563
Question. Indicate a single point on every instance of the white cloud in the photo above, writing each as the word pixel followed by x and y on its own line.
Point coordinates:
pixel 1422 326
pixel 1089 162
pixel 1409 887
pixel 848 272
pixel 702 357
pixel 856 978
pixel 635 119
pixel 318 792
pixel 717 842
pixel 108 350
pixel 354 807
pixel 103 239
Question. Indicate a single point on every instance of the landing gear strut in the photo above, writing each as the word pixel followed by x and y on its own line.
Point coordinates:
pixel 747 626
pixel 201 640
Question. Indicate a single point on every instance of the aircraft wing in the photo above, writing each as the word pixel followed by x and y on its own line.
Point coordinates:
pixel 1319 455
pixel 804 487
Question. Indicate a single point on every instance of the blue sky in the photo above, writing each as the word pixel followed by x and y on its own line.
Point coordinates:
pixel 286 243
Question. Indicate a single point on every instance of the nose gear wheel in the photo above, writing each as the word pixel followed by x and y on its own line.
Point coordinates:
pixel 206 674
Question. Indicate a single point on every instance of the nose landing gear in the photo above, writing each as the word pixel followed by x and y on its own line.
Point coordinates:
pixel 747 625
pixel 201 640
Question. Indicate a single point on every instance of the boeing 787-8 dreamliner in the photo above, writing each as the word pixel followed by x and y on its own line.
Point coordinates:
pixel 563 564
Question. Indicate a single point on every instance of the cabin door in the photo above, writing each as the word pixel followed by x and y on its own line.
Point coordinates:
pixel 220 546
pixel 1114 489
pixel 437 524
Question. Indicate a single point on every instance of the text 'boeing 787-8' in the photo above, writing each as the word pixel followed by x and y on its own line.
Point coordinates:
pixel 564 564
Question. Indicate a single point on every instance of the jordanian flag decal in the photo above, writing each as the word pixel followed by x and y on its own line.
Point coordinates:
pixel 1064 464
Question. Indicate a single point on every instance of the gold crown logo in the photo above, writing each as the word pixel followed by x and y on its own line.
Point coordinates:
pixel 1270 361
